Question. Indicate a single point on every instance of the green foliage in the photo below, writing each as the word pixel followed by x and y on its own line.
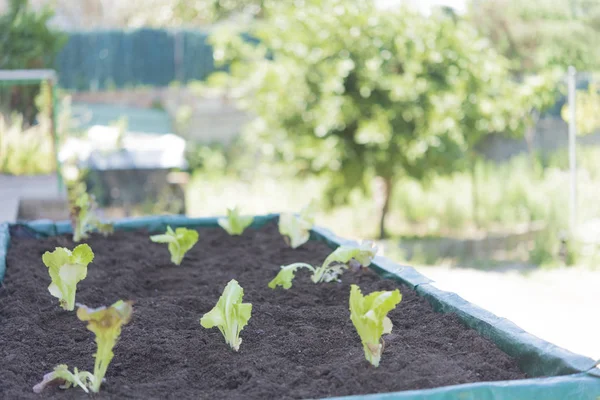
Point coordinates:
pixel 333 266
pixel 230 315
pixel 26 43
pixel 296 228
pixel 547 33
pixel 369 316
pixel 25 151
pixel 106 324
pixel 511 196
pixel 66 269
pixel 235 224
pixel 82 209
pixel 349 92
pixel 183 119
pixel 587 106
pixel 183 12
pixel 67 378
pixel 286 275
pixel 179 242
pixel 337 261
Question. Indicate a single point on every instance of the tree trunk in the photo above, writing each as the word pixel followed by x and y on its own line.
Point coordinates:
pixel 385 206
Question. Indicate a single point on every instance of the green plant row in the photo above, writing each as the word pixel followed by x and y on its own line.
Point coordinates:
pixel 230 315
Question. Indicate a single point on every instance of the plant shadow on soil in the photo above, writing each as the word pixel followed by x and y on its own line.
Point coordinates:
pixel 299 343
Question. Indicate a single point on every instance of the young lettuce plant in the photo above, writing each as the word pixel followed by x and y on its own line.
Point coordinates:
pixel 333 266
pixel 106 324
pixel 230 315
pixel 82 208
pixel 296 228
pixel 180 241
pixel 234 224
pixel 66 269
pixel 369 316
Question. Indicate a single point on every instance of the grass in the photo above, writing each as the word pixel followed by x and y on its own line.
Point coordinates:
pixel 510 197
pixel 25 151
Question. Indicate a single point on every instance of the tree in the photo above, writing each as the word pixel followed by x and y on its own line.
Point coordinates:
pixel 350 92
pixel 26 42
pixel 155 13
pixel 541 34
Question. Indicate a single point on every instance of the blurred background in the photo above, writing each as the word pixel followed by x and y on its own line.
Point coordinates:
pixel 462 135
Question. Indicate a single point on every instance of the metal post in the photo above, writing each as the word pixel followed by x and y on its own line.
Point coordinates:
pixel 572 149
pixel 54 132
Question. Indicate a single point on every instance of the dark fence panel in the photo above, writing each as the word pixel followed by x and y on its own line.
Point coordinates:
pixel 116 59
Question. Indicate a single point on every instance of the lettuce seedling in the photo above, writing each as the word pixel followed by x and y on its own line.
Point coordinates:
pixel 234 224
pixel 66 269
pixel 369 316
pixel 230 315
pixel 333 266
pixel 180 241
pixel 286 275
pixel 106 324
pixel 65 379
pixel 82 208
pixel 296 228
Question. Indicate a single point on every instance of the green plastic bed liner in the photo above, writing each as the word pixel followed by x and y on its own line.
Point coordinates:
pixel 558 373
pixel 571 387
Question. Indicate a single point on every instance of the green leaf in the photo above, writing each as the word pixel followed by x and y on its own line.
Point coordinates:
pixel 66 269
pixel 297 228
pixel 335 264
pixel 364 254
pixel 234 224
pixel 82 208
pixel 369 316
pixel 106 323
pixel 403 95
pixel 61 373
pixel 179 242
pixel 286 275
pixel 230 315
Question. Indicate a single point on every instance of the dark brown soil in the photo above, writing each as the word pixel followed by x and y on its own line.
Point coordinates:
pixel 299 343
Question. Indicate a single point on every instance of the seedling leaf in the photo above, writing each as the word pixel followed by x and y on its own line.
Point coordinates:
pixel 333 266
pixel 369 316
pixel 230 315
pixel 82 208
pixel 234 223
pixel 296 228
pixel 179 242
pixel 106 323
pixel 66 269
pixel 286 275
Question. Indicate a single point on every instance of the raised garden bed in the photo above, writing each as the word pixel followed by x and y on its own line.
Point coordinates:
pixel 299 343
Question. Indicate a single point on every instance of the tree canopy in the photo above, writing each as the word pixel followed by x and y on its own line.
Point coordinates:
pixel 26 42
pixel 350 92
pixel 541 34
